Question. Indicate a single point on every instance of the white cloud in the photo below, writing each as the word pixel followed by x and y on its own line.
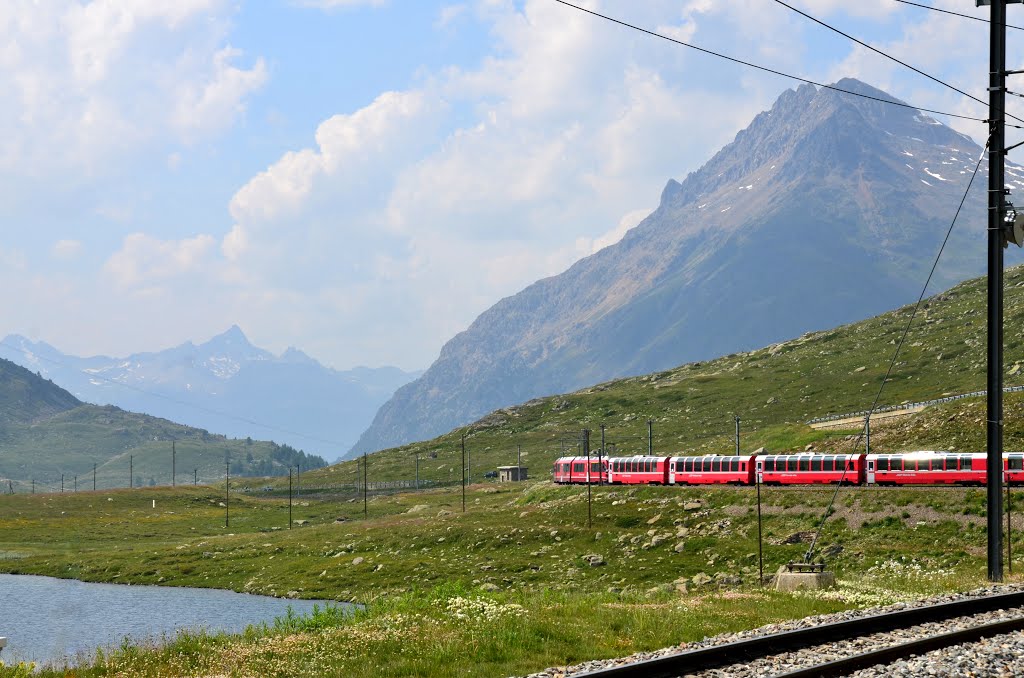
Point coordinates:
pixel 406 238
pixel 89 84
pixel 144 261
pixel 66 249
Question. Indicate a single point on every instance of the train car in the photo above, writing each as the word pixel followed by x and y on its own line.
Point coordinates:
pixel 639 470
pixel 711 469
pixel 927 467
pixel 1013 467
pixel 811 468
pixel 574 470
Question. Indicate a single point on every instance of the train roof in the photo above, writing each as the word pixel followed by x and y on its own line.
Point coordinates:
pixel 925 454
pixel 714 456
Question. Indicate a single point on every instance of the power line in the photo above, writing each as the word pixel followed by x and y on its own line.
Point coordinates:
pixel 176 401
pixel 887 56
pixel 946 11
pixel 765 68
pixel 899 345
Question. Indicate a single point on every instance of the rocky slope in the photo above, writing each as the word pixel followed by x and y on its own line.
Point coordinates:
pixel 826 209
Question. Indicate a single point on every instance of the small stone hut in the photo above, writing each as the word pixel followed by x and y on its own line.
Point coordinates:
pixel 511 474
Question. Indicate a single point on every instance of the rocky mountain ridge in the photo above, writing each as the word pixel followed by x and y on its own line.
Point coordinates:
pixel 225 384
pixel 826 209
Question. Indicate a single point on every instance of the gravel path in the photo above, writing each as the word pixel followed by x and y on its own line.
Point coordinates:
pixel 1000 652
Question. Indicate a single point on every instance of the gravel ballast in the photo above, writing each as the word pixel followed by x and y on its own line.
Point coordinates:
pixel 998 652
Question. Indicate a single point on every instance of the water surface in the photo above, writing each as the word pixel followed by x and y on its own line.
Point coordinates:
pixel 49 620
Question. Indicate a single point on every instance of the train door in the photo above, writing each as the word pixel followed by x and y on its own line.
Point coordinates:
pixel 760 471
pixel 871 472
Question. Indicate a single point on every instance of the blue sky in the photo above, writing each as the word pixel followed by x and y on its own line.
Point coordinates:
pixel 361 179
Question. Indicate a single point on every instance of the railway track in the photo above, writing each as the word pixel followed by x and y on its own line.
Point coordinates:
pixel 839 648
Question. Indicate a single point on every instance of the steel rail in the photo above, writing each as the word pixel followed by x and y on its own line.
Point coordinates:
pixel 893 653
pixel 692 661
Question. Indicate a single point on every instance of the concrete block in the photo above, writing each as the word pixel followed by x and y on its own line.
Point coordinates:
pixel 795 581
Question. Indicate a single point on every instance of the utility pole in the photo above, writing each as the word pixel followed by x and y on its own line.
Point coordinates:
pixel 131 471
pixel 600 456
pixel 650 437
pixel 62 483
pixel 94 477
pixel 76 484
pixel 174 461
pixel 737 435
pixel 289 497
pixel 996 212
pixel 867 434
pixel 586 449
pixel 195 476
pixel 366 506
pixel 227 495
pixel 463 472
pixel 417 469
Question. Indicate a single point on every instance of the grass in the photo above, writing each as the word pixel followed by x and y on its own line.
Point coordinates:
pixel 488 591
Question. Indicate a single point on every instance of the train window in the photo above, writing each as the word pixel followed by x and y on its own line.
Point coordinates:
pixel 805 464
pixel 965 463
pixel 828 464
pixel 734 465
pixel 648 466
pixel 883 464
pixel 594 467
pixel 577 468
pixel 706 466
pixel 816 464
pixel 716 465
pixel 1016 463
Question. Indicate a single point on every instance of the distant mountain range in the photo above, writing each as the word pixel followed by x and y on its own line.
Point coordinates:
pixel 46 435
pixel 828 208
pixel 226 385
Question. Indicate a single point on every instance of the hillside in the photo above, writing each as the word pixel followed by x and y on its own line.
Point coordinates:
pixel 226 384
pixel 46 432
pixel 26 397
pixel 774 390
pixel 825 210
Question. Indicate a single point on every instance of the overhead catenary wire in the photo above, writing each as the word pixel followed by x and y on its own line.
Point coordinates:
pixel 946 11
pixel 767 69
pixel 886 55
pixel 899 345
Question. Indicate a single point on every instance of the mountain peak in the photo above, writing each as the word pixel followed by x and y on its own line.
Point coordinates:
pixel 296 356
pixel 233 336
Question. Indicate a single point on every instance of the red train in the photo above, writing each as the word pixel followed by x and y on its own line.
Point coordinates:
pixel 902 468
